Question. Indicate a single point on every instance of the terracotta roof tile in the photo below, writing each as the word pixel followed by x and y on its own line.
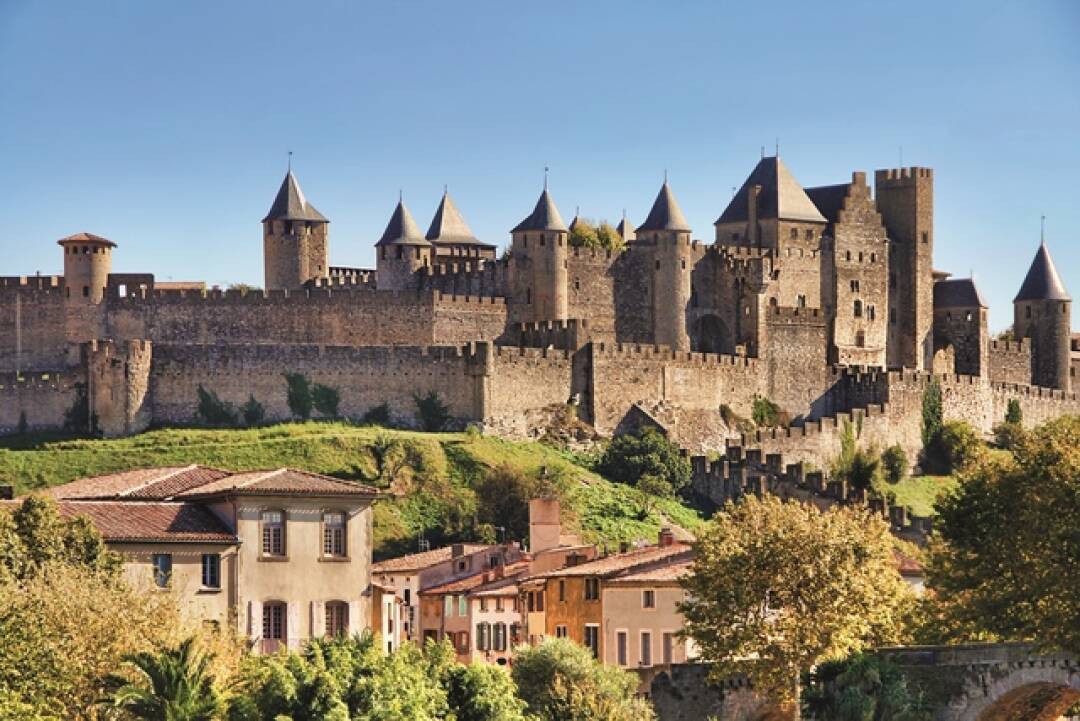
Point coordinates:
pixel 477 580
pixel 667 573
pixel 611 565
pixel 425 559
pixel 135 482
pixel 280 482
pixel 134 521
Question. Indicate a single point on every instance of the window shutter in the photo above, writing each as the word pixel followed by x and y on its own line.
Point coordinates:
pixel 255 619
pixel 356 623
pixel 318 619
pixel 292 625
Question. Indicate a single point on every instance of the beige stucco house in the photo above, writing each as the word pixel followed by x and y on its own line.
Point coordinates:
pixel 282 555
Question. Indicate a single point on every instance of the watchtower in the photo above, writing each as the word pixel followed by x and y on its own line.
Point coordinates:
pixel 905 199
pixel 87 264
pixel 401 252
pixel 539 252
pixel 667 232
pixel 294 239
pixel 1042 311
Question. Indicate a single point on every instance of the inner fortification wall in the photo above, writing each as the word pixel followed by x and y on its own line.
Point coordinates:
pixel 42 398
pixel 1010 361
pixel 32 323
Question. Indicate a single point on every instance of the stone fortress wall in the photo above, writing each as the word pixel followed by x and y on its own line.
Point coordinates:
pixel 805 311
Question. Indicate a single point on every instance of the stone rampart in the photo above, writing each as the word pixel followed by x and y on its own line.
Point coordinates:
pixel 1010 361
pixel 41 397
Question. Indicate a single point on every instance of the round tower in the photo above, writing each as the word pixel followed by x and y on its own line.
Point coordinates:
pixel 667 232
pixel 401 253
pixel 87 264
pixel 539 263
pixel 294 239
pixel 1042 312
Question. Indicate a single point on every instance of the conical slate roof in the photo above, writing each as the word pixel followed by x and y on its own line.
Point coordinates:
pixel 545 216
pixel 448 227
pixel 958 293
pixel 290 203
pixel 1042 281
pixel 625 230
pixel 666 213
pixel 781 196
pixel 402 229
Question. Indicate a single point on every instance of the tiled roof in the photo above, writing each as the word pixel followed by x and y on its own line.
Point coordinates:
pixel 86 238
pixel 145 483
pixel 829 199
pixel 425 559
pixel 448 227
pixel 478 580
pixel 1042 281
pixel 545 216
pixel 280 482
pixel 957 293
pixel 128 521
pixel 667 573
pixel 665 214
pixel 402 229
pixel 781 196
pixel 290 203
pixel 610 565
pixel 907 565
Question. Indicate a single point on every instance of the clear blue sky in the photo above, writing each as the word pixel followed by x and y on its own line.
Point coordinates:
pixel 165 126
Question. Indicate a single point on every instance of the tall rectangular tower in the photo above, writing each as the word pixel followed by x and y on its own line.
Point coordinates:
pixel 905 199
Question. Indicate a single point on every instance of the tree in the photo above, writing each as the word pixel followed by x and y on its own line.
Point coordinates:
pixel 957 446
pixel 559 681
pixel 931 413
pixel 298 395
pixel 609 237
pixel 432 413
pixel 326 399
pixel 630 458
pixel 863 688
pixel 583 234
pixel 212 410
pixel 1002 560
pixel 483 692
pixel 1014 413
pixel 35 535
pixel 252 411
pixel 173 684
pixel 378 415
pixel 895 462
pixel 506 492
pixel 779 587
pixel 651 489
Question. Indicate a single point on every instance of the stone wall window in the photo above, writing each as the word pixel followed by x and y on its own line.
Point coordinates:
pixel 872 312
pixel 809 234
pixel 802 301
pixel 860 339
pixel 794 233
pixel 592 589
pixel 273 533
pixel 858 309
pixel 925 237
pixel 646 648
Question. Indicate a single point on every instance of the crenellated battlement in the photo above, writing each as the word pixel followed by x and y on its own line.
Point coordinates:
pixel 662 353
pixel 793 315
pixel 447 299
pixel 899 177
pixel 568 334
pixel 1011 346
pixel 11 382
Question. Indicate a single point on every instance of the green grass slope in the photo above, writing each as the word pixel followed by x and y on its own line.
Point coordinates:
pixel 439 501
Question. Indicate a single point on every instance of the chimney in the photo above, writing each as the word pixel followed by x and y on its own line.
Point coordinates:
pixel 457 550
pixel 7 493
pixel 666 537
pixel 751 213
pixel 544 527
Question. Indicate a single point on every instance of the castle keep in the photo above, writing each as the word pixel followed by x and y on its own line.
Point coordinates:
pixel 823 300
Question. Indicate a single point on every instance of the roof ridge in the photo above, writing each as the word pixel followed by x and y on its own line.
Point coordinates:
pixel 175 472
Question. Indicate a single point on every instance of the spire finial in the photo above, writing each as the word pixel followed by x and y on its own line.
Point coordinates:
pixel 624 213
pixel 400 195
pixel 762 152
pixel 778 146
pixel 445 189
pixel 545 177
pixel 665 176
pixel 1042 229
pixel 577 211
pixel 290 161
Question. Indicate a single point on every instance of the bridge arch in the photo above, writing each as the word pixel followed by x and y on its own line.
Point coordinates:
pixel 1037 693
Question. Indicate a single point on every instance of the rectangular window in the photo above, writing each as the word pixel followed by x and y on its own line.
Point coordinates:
pixel 273 533
pixel 483 604
pixel 448 606
pixel 592 639
pixel 462 606
pixel 499 636
pixel 273 626
pixel 592 589
pixel 498 603
pixel 668 647
pixel 162 569
pixel 646 648
pixel 648 598
pixel 562 591
pixel 211 570
pixel 337 618
pixel 334 534
pixel 620 648
pixel 561 632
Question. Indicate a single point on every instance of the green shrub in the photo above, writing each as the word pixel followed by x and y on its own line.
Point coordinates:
pixel 860 469
pixel 325 399
pixel 609 237
pixel 298 395
pixel 1008 435
pixel 1014 414
pixel 583 235
pixel 378 415
pixel 767 414
pixel 431 412
pixel 895 463
pixel 931 413
pixel 649 454
pixel 252 411
pixel 957 445
pixel 213 411
pixel 863 688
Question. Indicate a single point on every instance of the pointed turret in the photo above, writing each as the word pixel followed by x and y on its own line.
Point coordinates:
pixel 1042 281
pixel 290 203
pixel 448 227
pixel 402 229
pixel 665 214
pixel 625 230
pixel 295 238
pixel 545 216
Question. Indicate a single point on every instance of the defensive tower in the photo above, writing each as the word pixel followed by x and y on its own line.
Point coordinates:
pixel 539 262
pixel 905 199
pixel 1042 312
pixel 294 239
pixel 667 231
pixel 401 252
pixel 87 264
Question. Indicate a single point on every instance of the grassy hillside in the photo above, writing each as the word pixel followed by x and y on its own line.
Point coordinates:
pixel 437 479
pixel 919 492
